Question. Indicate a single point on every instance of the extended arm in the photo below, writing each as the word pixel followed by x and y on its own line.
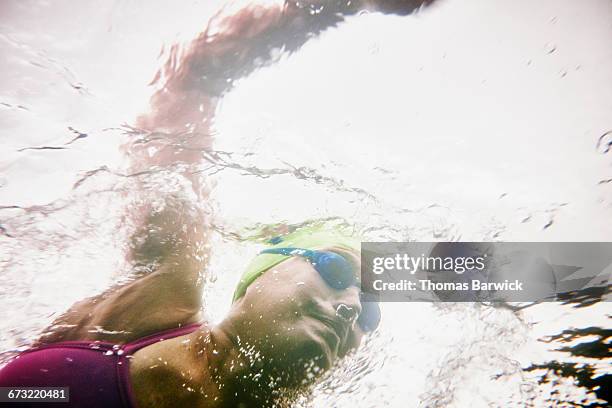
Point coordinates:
pixel 169 248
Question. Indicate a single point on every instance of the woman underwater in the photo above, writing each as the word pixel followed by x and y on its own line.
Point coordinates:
pixel 295 311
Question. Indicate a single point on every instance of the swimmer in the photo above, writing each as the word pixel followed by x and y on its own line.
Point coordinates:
pixel 297 307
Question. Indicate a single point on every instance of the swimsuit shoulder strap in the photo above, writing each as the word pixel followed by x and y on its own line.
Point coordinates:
pixel 136 345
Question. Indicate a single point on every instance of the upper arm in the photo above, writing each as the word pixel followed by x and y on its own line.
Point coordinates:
pixel 158 301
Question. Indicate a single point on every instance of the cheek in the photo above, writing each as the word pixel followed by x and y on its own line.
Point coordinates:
pixel 291 310
pixel 276 309
pixel 296 293
pixel 287 318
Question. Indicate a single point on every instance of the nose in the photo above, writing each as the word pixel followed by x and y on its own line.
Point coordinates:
pixel 348 310
pixel 348 307
pixel 346 313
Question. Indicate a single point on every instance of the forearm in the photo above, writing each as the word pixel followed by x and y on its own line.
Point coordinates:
pixel 231 47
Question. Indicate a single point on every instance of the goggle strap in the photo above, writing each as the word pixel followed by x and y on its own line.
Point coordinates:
pixel 289 251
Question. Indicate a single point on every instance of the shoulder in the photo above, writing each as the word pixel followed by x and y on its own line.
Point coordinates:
pixel 168 373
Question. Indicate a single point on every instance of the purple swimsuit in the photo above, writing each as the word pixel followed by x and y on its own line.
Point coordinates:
pixel 97 373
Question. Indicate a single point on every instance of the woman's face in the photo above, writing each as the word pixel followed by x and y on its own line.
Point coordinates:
pixel 296 322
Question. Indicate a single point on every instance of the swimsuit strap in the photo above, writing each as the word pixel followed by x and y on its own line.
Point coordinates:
pixel 134 346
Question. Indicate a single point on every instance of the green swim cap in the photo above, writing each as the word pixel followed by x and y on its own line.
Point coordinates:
pixel 305 237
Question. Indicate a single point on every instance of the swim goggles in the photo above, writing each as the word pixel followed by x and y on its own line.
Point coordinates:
pixel 338 273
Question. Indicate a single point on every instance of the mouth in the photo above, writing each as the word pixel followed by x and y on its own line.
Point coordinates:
pixel 333 334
